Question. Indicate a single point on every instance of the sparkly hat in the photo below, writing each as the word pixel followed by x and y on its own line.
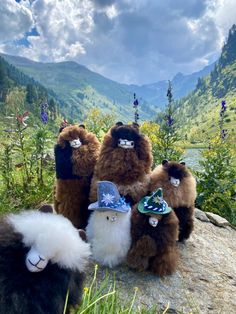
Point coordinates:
pixel 109 198
pixel 154 204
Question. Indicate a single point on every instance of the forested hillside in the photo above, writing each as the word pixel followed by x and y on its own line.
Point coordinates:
pixel 19 92
pixel 80 90
pixel 198 114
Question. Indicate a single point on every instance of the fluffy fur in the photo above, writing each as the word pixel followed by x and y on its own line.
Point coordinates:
pixel 110 241
pixel 129 168
pixel 181 198
pixel 153 248
pixel 22 291
pixel 74 169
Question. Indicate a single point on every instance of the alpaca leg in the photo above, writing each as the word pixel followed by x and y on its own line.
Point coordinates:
pixel 165 263
pixel 185 216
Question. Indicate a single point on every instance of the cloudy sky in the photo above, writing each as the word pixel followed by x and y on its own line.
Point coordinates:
pixel 130 41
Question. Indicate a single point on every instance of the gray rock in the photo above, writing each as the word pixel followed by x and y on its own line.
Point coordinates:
pixel 217 220
pixel 205 281
pixel 199 214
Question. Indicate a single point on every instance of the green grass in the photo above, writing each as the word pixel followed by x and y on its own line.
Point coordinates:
pixel 105 298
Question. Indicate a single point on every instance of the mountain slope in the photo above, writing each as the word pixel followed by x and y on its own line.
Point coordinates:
pixel 182 85
pixel 80 89
pixel 35 93
pixel 198 113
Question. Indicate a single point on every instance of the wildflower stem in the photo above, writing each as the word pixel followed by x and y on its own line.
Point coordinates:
pixel 66 301
pixel 132 303
pixel 167 308
pixel 97 300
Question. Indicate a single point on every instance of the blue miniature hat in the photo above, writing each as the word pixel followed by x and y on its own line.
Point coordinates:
pixel 154 204
pixel 109 198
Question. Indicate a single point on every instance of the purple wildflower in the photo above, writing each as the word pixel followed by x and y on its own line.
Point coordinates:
pixel 44 106
pixel 223 108
pixel 170 120
pixel 135 103
pixel 44 117
pixel 223 104
pixel 135 106
pixel 223 133
pixel 169 94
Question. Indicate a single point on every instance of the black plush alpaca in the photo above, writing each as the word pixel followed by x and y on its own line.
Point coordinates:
pixel 42 257
pixel 76 153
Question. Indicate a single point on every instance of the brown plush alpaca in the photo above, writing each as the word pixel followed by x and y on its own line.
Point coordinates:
pixel 154 234
pixel 125 159
pixel 179 191
pixel 76 153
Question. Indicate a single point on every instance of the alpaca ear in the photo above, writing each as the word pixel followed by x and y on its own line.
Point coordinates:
pixel 82 126
pixel 82 234
pixel 46 208
pixel 182 163
pixel 164 162
pixel 119 123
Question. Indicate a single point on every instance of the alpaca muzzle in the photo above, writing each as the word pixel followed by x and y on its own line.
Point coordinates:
pixel 123 143
pixel 35 262
pixel 75 143
pixel 175 182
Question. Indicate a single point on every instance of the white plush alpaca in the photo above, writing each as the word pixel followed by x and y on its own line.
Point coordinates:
pixel 108 229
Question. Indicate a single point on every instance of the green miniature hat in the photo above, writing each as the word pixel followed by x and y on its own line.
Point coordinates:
pixel 154 204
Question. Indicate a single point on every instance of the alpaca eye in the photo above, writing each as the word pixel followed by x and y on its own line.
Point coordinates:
pixel 107 218
pixel 131 143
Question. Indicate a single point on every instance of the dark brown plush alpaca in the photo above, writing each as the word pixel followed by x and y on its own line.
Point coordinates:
pixel 76 154
pixel 179 191
pixel 125 159
pixel 42 258
pixel 153 248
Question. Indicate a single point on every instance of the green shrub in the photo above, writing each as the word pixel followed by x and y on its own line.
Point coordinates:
pixel 217 180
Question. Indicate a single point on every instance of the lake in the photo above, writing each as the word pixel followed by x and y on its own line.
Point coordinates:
pixel 192 157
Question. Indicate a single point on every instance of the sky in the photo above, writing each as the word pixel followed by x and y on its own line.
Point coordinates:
pixel 129 41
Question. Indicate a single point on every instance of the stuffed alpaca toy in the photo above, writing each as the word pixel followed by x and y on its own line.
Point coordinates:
pixel 108 228
pixel 76 153
pixel 125 159
pixel 154 231
pixel 42 257
pixel 179 190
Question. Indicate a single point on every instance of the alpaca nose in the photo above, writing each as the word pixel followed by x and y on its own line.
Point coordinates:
pixel 113 218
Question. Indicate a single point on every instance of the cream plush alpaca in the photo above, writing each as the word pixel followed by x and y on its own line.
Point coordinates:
pixel 108 229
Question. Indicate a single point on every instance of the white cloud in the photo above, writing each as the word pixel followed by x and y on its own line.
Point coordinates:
pixel 223 13
pixel 111 12
pixel 63 29
pixel 16 19
pixel 129 41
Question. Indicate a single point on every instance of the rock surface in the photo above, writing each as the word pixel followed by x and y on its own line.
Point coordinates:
pixel 217 220
pixel 205 281
pixel 199 214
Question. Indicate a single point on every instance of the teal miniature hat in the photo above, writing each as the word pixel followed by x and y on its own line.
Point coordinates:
pixel 154 204
pixel 109 198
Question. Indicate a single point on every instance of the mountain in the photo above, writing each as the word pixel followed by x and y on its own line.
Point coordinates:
pixel 198 114
pixel 182 85
pixel 78 89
